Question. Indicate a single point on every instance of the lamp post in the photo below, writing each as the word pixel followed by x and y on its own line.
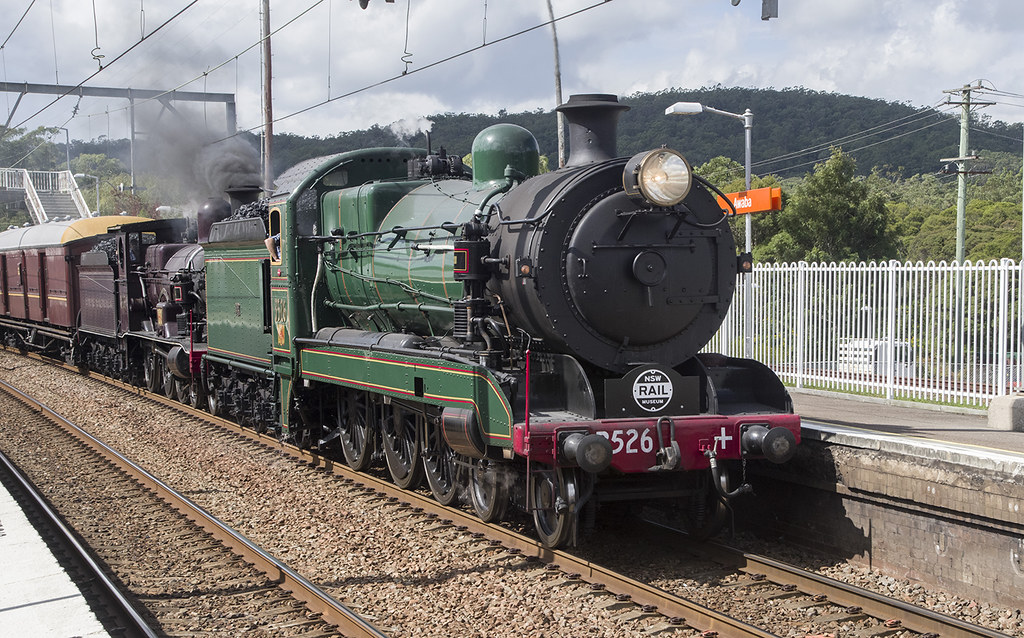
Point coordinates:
pixel 67 146
pixel 97 182
pixel 747 117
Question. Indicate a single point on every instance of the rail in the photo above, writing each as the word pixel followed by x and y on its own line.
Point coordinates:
pixel 679 612
pixel 136 625
pixel 896 612
pixel 315 599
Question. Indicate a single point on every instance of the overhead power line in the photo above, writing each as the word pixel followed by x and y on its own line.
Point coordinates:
pixel 205 74
pixel 121 55
pixel 437 62
pixel 917 116
pixel 8 38
pixel 853 151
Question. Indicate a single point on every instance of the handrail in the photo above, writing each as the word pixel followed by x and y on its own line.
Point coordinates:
pixel 32 182
pixel 76 194
pixel 35 206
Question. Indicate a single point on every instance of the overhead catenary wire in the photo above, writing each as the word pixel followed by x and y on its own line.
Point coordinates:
pixel 853 151
pixel 918 116
pixel 119 57
pixel 433 64
pixel 9 35
pixel 374 85
pixel 204 75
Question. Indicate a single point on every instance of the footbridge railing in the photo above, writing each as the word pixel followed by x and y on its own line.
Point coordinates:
pixel 35 182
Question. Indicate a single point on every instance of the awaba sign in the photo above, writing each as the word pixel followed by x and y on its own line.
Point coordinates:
pixel 757 200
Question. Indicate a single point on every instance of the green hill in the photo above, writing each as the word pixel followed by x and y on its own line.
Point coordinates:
pixel 875 132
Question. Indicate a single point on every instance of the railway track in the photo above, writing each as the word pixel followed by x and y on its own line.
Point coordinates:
pixel 875 614
pixel 100 591
pixel 631 599
pixel 203 569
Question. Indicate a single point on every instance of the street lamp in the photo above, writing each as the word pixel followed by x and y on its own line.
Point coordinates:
pixel 97 181
pixel 695 108
pixel 67 146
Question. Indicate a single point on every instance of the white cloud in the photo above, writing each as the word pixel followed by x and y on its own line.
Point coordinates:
pixel 907 51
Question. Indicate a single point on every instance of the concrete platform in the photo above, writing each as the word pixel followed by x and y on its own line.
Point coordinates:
pixel 959 427
pixel 37 598
pixel 921 492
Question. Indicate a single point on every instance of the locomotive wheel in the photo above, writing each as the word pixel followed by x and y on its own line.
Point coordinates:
pixel 488 489
pixel 195 396
pixel 169 386
pixel 182 390
pixel 213 405
pixel 440 467
pixel 357 440
pixel 150 373
pixel 401 440
pixel 552 491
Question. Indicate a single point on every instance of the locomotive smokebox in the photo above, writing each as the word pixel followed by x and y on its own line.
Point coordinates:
pixel 213 210
pixel 593 120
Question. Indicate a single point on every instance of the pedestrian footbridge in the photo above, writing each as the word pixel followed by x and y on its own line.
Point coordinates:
pixel 48 195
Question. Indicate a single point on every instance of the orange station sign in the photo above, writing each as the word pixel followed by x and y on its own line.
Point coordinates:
pixel 757 200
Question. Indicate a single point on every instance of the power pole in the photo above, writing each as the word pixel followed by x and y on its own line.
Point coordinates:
pixel 268 108
pixel 559 118
pixel 961 161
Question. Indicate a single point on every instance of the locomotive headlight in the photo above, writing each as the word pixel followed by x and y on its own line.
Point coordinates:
pixel 661 177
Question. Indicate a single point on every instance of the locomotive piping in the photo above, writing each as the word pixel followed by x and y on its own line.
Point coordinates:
pixel 716 478
pixel 719 192
pixel 511 177
pixel 316 282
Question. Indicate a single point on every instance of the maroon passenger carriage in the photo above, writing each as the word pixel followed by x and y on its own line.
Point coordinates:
pixel 115 294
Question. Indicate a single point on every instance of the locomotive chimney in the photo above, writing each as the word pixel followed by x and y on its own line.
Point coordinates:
pixel 593 125
pixel 213 210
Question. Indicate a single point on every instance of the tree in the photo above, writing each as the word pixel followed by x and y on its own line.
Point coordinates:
pixel 30 150
pixel 97 164
pixel 833 216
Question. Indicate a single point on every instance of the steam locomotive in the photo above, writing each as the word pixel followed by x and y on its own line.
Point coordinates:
pixel 516 337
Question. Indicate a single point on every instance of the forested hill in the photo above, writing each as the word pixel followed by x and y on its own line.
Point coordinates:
pixel 876 133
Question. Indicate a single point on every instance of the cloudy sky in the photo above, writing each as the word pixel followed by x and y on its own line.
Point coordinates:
pixel 337 67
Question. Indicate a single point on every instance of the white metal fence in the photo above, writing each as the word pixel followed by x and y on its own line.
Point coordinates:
pixel 945 333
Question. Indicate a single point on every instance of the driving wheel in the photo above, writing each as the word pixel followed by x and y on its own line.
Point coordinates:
pixel 554 494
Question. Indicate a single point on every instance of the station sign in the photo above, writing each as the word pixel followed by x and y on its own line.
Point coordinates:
pixel 757 200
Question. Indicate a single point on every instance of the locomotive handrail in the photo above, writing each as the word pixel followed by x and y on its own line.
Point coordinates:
pixel 398 305
pixel 443 354
pixel 451 227
pixel 568 185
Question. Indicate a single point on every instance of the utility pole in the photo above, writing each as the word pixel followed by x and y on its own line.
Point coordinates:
pixel 961 161
pixel 559 118
pixel 268 109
